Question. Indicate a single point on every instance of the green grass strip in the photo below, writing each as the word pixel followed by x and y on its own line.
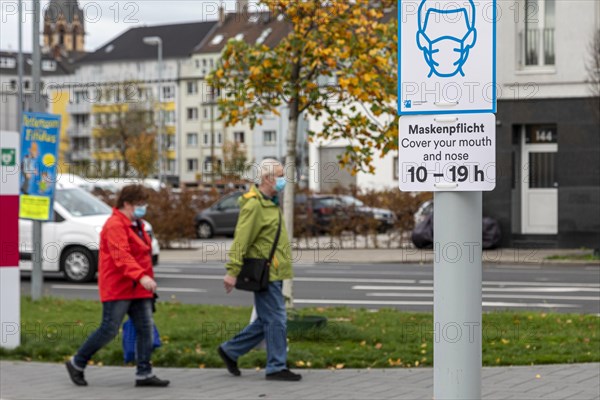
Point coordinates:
pixel 52 329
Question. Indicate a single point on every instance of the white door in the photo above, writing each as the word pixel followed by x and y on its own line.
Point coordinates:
pixel 539 186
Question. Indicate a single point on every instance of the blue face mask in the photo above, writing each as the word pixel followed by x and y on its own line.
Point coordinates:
pixel 139 211
pixel 280 183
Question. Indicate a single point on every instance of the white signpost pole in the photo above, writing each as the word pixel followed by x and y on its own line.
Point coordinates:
pixel 447 65
pixel 457 295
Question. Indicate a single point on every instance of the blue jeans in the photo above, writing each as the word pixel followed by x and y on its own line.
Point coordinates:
pixel 113 312
pixel 270 325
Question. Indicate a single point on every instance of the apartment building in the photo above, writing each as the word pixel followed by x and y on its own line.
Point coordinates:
pixel 124 74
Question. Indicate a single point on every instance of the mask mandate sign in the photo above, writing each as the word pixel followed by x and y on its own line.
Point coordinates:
pixel 447 57
pixel 447 152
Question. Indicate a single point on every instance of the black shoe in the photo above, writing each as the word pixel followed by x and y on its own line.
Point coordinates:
pixel 152 381
pixel 231 365
pixel 284 375
pixel 75 374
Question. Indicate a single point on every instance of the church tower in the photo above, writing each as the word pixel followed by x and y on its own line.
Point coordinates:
pixel 64 29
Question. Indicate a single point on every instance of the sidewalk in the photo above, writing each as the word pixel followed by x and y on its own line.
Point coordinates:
pixel 28 381
pixel 216 251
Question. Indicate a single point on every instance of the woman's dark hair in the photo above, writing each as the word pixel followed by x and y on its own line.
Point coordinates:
pixel 132 194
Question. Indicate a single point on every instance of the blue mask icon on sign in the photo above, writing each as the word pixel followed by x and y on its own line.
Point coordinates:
pixel 446 35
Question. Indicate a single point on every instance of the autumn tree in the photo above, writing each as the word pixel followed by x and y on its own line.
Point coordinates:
pixel 142 155
pixel 352 45
pixel 127 126
pixel 234 160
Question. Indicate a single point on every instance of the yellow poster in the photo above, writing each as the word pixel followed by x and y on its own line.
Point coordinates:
pixel 34 207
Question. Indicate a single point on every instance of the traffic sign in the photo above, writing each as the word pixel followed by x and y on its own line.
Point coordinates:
pixel 447 56
pixel 447 152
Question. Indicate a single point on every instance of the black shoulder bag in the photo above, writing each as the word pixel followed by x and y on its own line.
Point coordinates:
pixel 254 276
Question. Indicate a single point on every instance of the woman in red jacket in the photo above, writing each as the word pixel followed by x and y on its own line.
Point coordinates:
pixel 126 284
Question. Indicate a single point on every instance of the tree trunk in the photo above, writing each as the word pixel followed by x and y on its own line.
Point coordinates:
pixel 289 192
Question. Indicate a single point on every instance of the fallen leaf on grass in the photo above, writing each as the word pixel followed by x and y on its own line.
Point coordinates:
pixel 378 346
pixel 339 366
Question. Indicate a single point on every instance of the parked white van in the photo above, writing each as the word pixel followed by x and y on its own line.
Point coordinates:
pixel 71 241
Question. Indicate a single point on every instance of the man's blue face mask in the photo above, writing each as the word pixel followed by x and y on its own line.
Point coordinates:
pixel 280 183
pixel 446 54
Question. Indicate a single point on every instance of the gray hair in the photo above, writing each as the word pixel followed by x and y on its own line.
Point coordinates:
pixel 267 168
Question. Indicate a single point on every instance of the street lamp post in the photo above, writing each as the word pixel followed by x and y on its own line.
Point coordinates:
pixel 157 41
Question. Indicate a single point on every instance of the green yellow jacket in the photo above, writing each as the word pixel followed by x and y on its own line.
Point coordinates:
pixel 254 236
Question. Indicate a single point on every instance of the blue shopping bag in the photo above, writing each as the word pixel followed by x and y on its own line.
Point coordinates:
pixel 129 341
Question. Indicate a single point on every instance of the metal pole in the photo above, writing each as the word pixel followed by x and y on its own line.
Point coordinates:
pixel 160 114
pixel 20 69
pixel 457 295
pixel 37 277
pixel 212 137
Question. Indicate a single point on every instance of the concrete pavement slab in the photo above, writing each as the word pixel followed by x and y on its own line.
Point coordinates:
pixel 30 380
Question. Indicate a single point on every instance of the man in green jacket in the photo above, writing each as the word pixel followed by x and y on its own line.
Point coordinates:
pixel 254 236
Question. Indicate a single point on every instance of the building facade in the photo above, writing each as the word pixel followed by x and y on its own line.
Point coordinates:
pixel 121 76
pixel 548 141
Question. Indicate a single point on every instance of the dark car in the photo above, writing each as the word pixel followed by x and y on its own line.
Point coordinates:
pixel 356 208
pixel 422 234
pixel 315 212
pixel 318 212
pixel 220 218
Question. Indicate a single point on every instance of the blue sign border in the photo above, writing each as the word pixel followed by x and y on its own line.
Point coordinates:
pixel 438 112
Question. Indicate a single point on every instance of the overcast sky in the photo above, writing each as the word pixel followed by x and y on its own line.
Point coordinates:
pixel 107 19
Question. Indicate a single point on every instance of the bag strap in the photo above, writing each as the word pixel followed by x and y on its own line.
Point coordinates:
pixel 270 259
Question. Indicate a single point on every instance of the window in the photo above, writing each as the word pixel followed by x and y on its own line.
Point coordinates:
pixel 192 113
pixel 169 141
pixel 238 137
pixel 171 166
pixel 216 40
pixel 7 62
pixel 13 84
pixel 205 111
pixel 537 37
pixel 229 203
pixel 219 138
pixel 197 63
pixel 192 87
pixel 169 117
pixel 192 164
pixel 206 138
pixel 269 138
pixel 395 168
pixel 192 139
pixel 208 164
pixel 81 96
pixel 168 93
pixel 48 65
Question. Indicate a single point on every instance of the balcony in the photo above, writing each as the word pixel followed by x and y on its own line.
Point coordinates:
pixel 79 108
pixel 81 155
pixel 79 131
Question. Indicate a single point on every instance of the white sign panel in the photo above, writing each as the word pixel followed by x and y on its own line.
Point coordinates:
pixel 447 152
pixel 447 56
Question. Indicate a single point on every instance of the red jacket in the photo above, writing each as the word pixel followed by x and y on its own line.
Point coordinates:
pixel 124 258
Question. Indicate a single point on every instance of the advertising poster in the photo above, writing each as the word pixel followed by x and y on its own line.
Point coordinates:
pixel 40 138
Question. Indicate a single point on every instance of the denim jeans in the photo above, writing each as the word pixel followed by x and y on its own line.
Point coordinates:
pixel 270 325
pixel 113 312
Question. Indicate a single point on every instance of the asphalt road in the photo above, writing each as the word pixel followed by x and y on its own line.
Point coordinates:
pixel 560 288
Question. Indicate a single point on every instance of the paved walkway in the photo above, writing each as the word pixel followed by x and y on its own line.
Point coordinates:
pixel 30 381
pixel 215 250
